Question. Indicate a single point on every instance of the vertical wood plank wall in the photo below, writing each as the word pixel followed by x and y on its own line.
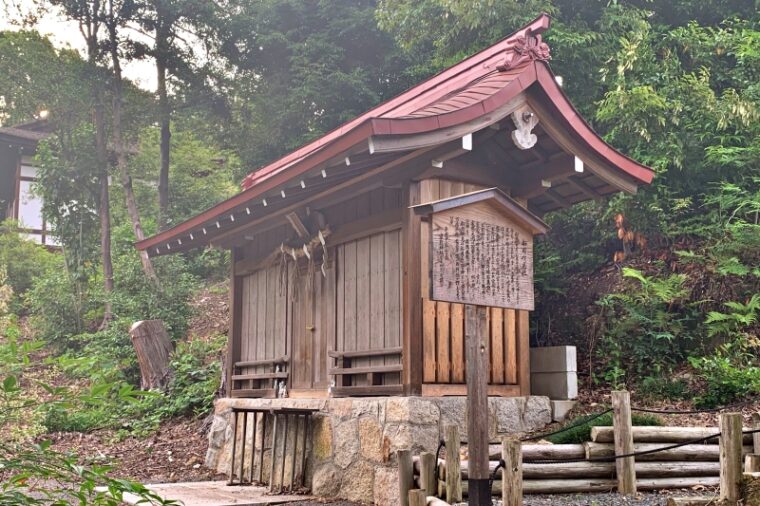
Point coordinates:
pixel 443 323
pixel 369 298
pixel 355 307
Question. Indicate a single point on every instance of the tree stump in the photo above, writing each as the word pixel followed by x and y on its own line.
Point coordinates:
pixel 153 348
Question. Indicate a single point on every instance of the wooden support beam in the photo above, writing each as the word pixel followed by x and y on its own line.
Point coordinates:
pixel 558 199
pixel 405 475
pixel 476 358
pixel 512 474
pixel 584 188
pixel 453 465
pixel 297 225
pixel 621 421
pixel 730 456
pixel 411 232
pixel 417 497
pixel 428 466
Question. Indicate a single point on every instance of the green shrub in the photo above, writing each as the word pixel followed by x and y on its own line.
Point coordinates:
pixel 136 298
pixel 733 370
pixel 665 388
pixel 582 432
pixel 60 307
pixel 24 259
pixel 646 328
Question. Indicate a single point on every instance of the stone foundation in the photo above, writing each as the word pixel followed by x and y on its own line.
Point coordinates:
pixel 354 440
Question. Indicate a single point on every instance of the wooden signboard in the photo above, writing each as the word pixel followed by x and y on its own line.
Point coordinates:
pixel 481 254
pixel 481 250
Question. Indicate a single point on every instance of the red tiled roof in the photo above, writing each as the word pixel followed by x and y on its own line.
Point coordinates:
pixel 421 97
pixel 469 90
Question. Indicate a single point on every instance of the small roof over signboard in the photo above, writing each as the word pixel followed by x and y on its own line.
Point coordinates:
pixel 497 198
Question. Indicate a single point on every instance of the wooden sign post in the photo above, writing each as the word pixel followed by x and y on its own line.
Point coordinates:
pixel 481 255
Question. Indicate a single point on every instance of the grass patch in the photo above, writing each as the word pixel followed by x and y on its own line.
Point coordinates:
pixel 582 433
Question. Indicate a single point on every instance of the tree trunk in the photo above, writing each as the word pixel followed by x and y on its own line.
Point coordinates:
pixel 165 121
pixel 153 349
pixel 118 144
pixel 104 201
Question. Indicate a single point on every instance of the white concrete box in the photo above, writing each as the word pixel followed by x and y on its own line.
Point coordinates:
pixel 554 372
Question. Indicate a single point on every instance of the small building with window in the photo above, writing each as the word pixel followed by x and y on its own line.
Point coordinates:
pixel 18 175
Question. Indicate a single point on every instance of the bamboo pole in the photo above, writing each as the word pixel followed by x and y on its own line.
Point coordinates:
pixel 756 436
pixel 453 469
pixel 512 472
pixel 405 475
pixel 730 456
pixel 621 420
pixel 428 464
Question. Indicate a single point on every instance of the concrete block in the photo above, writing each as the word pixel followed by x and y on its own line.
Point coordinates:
pixel 560 409
pixel 555 385
pixel 553 359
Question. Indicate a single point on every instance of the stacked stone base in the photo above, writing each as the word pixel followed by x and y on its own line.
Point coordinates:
pixel 354 441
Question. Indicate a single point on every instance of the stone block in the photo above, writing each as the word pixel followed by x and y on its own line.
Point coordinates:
pixel 322 438
pixel 371 438
pixel 386 486
pixel 326 481
pixel 537 414
pixel 358 483
pixel 555 385
pixel 553 359
pixel 560 409
pixel 346 443
pixel 412 409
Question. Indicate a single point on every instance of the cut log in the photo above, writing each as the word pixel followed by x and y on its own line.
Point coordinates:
pixel 752 463
pixel 153 349
pixel 544 452
pixel 702 453
pixel 434 501
pixel 662 434
pixel 751 489
pixel 664 469
pixel 602 485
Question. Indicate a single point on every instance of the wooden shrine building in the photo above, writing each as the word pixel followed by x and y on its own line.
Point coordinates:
pixel 331 249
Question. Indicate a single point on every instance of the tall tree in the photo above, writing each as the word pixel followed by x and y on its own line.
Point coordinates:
pixel 116 16
pixel 176 27
pixel 89 14
pixel 299 69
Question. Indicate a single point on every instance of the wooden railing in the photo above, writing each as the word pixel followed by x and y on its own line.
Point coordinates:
pixel 262 384
pixel 344 373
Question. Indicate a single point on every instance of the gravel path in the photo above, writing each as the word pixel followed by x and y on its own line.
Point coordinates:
pixel 611 499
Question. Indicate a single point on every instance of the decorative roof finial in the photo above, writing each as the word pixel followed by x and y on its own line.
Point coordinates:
pixel 527 47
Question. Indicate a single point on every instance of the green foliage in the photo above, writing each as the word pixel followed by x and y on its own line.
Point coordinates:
pixel 24 260
pixel 136 298
pixel 733 370
pixel 644 334
pixel 582 433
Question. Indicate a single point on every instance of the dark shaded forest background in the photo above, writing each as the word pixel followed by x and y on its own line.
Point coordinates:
pixel 660 291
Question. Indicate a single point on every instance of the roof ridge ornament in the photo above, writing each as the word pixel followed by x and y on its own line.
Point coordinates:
pixel 527 47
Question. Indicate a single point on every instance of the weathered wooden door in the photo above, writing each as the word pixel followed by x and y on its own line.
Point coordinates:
pixel 312 326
